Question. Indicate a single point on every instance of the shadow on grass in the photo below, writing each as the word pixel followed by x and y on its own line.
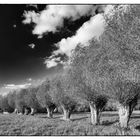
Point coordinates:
pixel 54 117
pixel 107 123
pixel 57 117
pixel 81 118
pixel 45 117
pixel 138 127
pixel 135 116
pixel 109 115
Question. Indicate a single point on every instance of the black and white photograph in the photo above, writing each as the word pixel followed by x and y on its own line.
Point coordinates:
pixel 69 69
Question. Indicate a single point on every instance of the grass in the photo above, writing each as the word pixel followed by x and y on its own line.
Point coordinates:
pixel 40 125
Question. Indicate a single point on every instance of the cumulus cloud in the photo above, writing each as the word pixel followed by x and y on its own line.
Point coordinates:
pixel 13 86
pixel 52 18
pixel 30 16
pixel 92 28
pixel 32 45
pixel 14 26
pixel 52 62
pixel 9 87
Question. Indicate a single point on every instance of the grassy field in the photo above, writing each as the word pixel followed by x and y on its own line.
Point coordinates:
pixel 39 124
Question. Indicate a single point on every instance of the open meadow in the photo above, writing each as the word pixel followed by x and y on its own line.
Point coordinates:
pixel 41 125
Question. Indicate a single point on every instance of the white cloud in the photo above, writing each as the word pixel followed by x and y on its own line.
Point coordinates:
pixel 32 45
pixel 10 85
pixel 13 86
pixel 50 19
pixel 52 62
pixel 92 28
pixel 30 16
pixel 14 26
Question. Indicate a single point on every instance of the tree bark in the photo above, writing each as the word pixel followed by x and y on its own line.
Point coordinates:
pixel 16 111
pixel 67 113
pixel 50 113
pixel 132 105
pixel 124 115
pixel 26 111
pixel 32 111
pixel 95 114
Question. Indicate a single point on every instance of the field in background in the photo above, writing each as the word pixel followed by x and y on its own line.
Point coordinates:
pixel 39 124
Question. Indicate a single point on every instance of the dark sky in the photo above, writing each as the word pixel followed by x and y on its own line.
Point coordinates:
pixel 18 61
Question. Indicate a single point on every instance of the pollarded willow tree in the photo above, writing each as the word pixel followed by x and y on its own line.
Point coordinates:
pixel 31 100
pixel 61 93
pixel 111 65
pixel 120 60
pixel 4 104
pixel 11 99
pixel 26 100
pixel 88 87
pixel 44 98
pixel 20 100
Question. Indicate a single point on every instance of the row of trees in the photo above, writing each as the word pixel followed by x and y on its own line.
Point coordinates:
pixel 49 95
pixel 109 67
pixel 106 69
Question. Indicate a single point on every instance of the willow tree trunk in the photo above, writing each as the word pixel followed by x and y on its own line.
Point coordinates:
pixel 26 111
pixel 32 111
pixel 67 113
pixel 49 112
pixel 124 115
pixel 132 105
pixel 16 111
pixel 95 114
